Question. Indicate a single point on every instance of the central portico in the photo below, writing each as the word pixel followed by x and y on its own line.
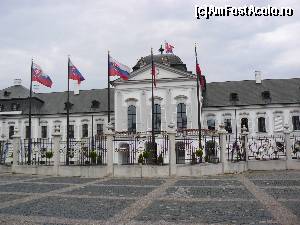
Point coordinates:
pixel 175 96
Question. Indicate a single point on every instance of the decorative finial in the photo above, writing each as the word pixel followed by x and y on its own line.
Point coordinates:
pixel 161 49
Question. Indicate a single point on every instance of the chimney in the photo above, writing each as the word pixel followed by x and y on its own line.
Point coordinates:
pixel 17 81
pixel 257 77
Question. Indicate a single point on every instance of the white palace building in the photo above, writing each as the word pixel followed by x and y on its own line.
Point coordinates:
pixel 263 106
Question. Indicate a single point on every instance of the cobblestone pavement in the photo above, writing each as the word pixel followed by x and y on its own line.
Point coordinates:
pixel 249 198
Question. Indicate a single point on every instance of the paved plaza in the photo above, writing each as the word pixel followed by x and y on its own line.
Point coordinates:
pixel 249 198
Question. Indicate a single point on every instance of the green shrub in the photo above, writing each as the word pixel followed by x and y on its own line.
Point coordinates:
pixel 49 155
pixel 141 158
pixel 199 152
pixel 146 154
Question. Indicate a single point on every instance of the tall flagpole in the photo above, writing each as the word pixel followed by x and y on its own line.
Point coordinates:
pixel 68 115
pixel 198 99
pixel 152 104
pixel 108 90
pixel 30 98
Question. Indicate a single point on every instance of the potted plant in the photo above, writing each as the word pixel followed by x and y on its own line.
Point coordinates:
pixel 194 161
pixel 160 160
pixel 199 153
pixel 146 156
pixel 140 159
pixel 49 155
pixel 93 156
pixel 99 159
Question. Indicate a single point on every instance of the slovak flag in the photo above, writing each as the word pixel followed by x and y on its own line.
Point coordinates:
pixel 168 48
pixel 117 69
pixel 39 76
pixel 74 73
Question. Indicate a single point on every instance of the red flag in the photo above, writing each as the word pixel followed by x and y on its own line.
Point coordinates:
pixel 154 74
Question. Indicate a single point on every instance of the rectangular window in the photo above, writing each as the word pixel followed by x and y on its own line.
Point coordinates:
pixel 11 132
pixel 71 131
pixel 211 124
pixel 228 127
pixel 296 122
pixel 261 124
pixel 99 129
pixel 27 132
pixel 44 132
pixel 85 130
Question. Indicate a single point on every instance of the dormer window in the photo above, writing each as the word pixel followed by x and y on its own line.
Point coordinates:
pixel 234 97
pixel 95 104
pixel 266 95
pixel 6 93
pixel 68 105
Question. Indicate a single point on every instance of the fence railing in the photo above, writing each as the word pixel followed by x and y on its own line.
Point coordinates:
pixel 41 151
pixel 138 148
pixel 266 147
pixel 5 152
pixel 295 146
pixel 236 149
pixel 84 152
pixel 187 149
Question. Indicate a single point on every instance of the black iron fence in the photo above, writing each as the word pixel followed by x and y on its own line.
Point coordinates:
pixel 236 149
pixel 5 152
pixel 295 146
pixel 188 151
pixel 266 147
pixel 137 148
pixel 41 151
pixel 84 152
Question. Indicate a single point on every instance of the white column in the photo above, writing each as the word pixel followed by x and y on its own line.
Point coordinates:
pixel 16 148
pixel 287 141
pixel 56 138
pixel 245 141
pixel 172 152
pixel 110 151
pixel 222 132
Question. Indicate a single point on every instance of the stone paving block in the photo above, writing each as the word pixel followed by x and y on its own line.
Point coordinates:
pixel 205 212
pixel 294 206
pixel 284 193
pixel 276 182
pixel 72 208
pixel 134 181
pixel 10 197
pixel 209 182
pixel 119 191
pixel 12 177
pixel 30 187
pixel 65 180
pixel 208 192
pixel 273 175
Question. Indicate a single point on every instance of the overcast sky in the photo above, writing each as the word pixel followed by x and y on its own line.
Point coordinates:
pixel 230 48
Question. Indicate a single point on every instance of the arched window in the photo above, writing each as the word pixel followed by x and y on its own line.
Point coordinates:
pixel 244 122
pixel 157 117
pixel 181 116
pixel 131 113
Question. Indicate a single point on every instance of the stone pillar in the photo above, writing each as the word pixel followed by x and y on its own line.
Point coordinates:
pixel 172 152
pixel 56 138
pixel 287 142
pixel 110 150
pixel 245 142
pixel 222 132
pixel 16 148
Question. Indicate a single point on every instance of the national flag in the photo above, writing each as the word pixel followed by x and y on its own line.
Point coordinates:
pixel 39 76
pixel 74 73
pixel 202 79
pixel 168 48
pixel 116 68
pixel 153 71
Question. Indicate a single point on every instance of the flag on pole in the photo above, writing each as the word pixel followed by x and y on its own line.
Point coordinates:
pixel 116 68
pixel 168 48
pixel 154 71
pixel 202 79
pixel 39 76
pixel 74 73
